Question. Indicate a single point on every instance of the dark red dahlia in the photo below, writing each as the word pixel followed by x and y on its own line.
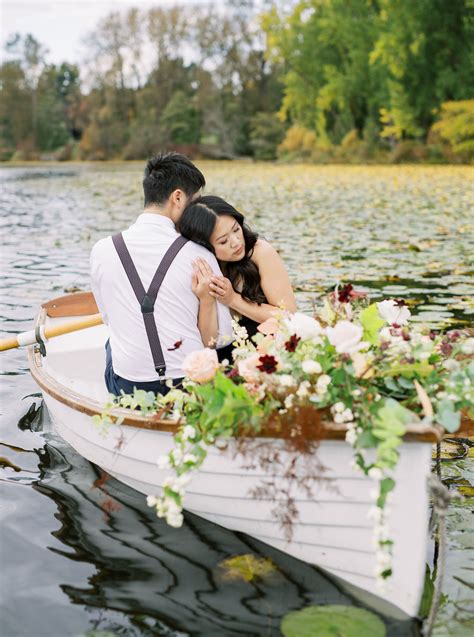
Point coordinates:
pixel 446 348
pixel 345 293
pixel 292 343
pixel 268 364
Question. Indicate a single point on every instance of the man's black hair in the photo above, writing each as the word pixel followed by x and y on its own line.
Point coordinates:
pixel 168 172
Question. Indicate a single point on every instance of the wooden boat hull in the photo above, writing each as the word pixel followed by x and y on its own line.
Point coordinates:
pixel 333 530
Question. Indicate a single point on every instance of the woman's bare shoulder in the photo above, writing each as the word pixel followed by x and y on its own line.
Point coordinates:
pixel 263 250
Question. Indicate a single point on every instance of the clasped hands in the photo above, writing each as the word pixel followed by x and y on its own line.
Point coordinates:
pixel 205 283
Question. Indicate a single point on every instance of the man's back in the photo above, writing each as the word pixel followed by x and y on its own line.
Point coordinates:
pixel 176 307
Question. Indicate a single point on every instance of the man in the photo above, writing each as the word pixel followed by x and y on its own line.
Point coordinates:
pixel 141 280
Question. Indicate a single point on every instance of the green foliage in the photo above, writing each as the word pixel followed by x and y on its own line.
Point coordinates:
pixel 331 621
pixel 266 133
pixel 390 63
pixel 456 126
pixel 372 323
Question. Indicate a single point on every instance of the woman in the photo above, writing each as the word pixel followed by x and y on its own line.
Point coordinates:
pixel 255 282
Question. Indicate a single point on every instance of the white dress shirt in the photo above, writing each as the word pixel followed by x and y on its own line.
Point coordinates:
pixel 176 306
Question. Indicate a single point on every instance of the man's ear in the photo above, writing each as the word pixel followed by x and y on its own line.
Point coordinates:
pixel 178 197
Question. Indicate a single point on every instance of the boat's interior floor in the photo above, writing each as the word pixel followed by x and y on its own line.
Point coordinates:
pixel 77 360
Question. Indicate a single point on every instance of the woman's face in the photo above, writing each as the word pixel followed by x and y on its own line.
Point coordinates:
pixel 228 239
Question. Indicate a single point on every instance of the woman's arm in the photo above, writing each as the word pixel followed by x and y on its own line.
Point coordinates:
pixel 274 281
pixel 207 316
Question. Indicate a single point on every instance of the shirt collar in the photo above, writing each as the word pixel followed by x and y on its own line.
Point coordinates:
pixel 155 219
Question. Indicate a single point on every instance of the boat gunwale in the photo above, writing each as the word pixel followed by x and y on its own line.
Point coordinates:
pixel 82 404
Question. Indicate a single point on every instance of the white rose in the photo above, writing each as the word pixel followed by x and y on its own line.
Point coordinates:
pixel 346 337
pixel 152 501
pixel 311 367
pixel 303 326
pixel 338 407
pixel 393 313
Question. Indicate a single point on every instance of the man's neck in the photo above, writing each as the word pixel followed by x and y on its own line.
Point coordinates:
pixel 154 209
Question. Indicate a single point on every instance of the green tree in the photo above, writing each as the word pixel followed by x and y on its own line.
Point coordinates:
pixel 15 108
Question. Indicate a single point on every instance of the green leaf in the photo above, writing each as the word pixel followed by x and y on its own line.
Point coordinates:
pixel 332 621
pixel 409 370
pixel 372 323
pixel 447 417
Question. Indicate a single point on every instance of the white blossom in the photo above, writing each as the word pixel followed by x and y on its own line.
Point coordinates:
pixel 346 337
pixel 289 401
pixel 311 367
pixel 347 415
pixel 303 326
pixel 286 380
pixel 163 462
pixel 393 313
pixel 188 433
pixel 375 473
pixel 322 383
pixel 152 501
pixel 303 389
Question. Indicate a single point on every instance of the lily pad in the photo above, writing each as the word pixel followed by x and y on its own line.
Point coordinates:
pixel 247 568
pixel 332 621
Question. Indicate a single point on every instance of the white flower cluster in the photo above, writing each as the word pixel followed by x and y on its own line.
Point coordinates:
pixel 341 414
pixel 166 506
pixel 383 550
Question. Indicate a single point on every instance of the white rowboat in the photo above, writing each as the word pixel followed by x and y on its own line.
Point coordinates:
pixel 333 530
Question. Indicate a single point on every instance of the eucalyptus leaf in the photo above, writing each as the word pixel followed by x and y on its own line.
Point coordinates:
pixel 332 621
pixel 447 417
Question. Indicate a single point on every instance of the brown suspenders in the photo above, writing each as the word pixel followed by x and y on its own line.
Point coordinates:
pixel 147 298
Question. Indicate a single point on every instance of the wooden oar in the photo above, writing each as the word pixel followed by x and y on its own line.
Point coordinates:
pixel 77 304
pixel 30 337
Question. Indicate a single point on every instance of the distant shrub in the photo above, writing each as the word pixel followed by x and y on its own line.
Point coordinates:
pixel 409 151
pixel 456 126
pixel 299 143
pixel 351 139
pixel 266 133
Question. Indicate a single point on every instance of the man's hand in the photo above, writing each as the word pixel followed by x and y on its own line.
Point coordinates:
pixel 221 288
pixel 201 279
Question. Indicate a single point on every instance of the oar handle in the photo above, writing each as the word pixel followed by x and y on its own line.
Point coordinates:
pixel 28 338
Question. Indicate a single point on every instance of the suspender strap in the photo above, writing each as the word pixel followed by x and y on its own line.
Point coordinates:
pixel 147 298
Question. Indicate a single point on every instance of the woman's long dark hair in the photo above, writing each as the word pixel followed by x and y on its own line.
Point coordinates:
pixel 197 223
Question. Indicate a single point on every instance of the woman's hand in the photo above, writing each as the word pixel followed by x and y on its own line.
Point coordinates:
pixel 221 288
pixel 201 279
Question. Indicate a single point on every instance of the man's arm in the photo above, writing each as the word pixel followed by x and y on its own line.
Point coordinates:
pixel 95 279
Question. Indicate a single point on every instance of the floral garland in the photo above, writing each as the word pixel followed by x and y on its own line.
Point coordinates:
pixel 362 362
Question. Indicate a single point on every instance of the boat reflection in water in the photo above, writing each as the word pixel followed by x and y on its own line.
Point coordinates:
pixel 155 580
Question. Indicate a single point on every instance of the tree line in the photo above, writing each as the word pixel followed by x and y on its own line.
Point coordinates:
pixel 320 80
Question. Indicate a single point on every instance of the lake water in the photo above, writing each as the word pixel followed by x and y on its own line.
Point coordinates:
pixel 82 554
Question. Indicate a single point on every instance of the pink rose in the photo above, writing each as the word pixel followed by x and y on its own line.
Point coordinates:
pixel 270 326
pixel 248 368
pixel 201 365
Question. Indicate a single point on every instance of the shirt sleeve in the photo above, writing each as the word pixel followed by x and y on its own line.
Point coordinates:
pixel 224 318
pixel 95 280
